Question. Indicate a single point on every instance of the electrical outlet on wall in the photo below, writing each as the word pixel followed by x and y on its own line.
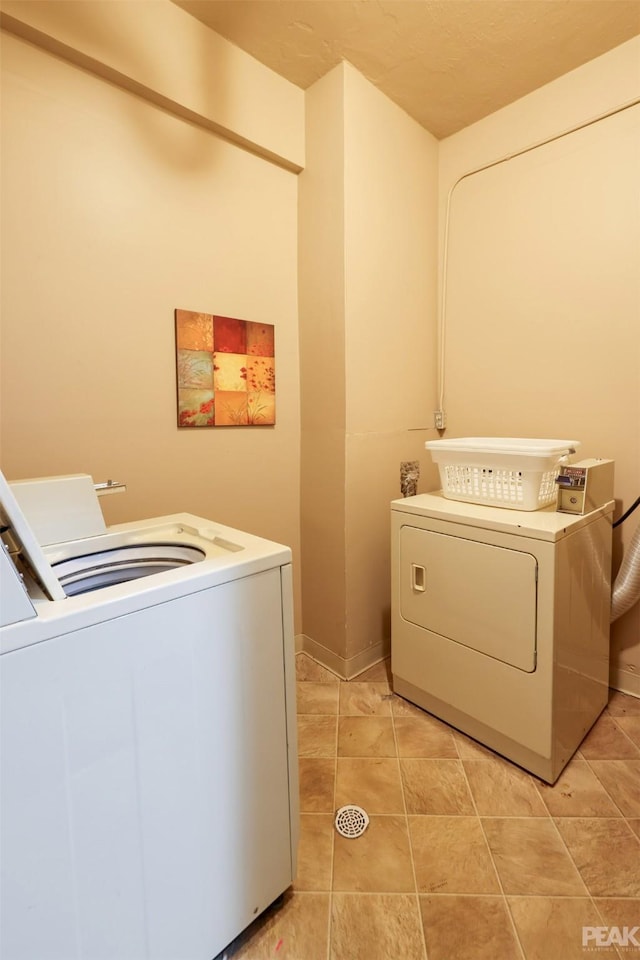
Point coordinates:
pixel 439 419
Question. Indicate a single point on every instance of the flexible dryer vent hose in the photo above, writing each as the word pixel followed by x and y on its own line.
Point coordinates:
pixel 626 589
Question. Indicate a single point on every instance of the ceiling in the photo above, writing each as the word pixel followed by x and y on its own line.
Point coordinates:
pixel 447 63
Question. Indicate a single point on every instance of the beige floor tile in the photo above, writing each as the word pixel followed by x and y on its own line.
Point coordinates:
pixel 376 914
pixel 317 736
pixel 317 782
pixel 404 708
pixel 315 851
pixel 365 699
pixel 531 858
pixel 623 705
pixel 468 928
pixel 379 671
pixel 552 926
pixel 375 927
pixel 606 741
pixel 631 727
pixel 621 913
pixel 606 853
pixel 366 737
pixel 299 928
pixel 469 749
pixel 577 793
pixel 501 789
pixel 377 862
pixel 424 736
pixel 451 855
pixel 372 783
pixel 309 669
pixel 317 697
pixel 621 780
pixel 436 787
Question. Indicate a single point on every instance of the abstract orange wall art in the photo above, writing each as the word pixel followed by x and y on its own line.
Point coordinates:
pixel 225 371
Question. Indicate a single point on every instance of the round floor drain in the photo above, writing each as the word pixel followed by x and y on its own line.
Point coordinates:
pixel 351 821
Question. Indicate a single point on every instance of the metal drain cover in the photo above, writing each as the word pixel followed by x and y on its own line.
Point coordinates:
pixel 351 821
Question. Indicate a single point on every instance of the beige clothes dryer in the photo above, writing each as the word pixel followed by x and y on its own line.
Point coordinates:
pixel 500 622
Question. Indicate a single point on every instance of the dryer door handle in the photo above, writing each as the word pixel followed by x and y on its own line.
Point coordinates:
pixel 418 578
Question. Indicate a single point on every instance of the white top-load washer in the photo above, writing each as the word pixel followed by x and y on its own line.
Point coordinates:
pixel 149 798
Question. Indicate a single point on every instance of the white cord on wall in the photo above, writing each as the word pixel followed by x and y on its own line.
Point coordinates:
pixel 487 166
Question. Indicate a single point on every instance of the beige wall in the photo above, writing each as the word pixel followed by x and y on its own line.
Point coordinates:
pixel 390 309
pixel 322 379
pixel 368 297
pixel 115 212
pixel 157 50
pixel 119 204
pixel 543 283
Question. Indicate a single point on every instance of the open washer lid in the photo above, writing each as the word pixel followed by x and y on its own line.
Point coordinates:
pixel 15 520
pixel 94 561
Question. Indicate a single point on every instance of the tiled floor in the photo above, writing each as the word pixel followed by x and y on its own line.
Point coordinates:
pixel 466 857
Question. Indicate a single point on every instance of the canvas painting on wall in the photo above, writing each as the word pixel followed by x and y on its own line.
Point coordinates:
pixel 225 371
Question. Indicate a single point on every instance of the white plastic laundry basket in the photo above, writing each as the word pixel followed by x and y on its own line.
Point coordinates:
pixel 501 471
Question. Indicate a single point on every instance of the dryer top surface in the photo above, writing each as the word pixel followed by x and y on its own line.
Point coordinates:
pixel 546 524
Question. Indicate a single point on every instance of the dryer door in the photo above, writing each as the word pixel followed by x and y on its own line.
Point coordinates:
pixel 476 594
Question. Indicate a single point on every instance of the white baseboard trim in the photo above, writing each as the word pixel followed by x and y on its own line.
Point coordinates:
pixel 349 668
pixel 343 667
pixel 624 681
